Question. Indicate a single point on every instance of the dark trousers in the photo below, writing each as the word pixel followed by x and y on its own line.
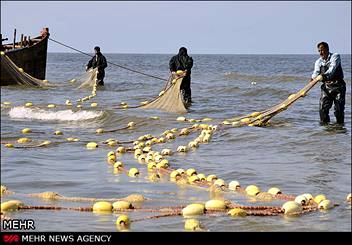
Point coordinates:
pixel 100 78
pixel 332 93
pixel 186 89
pixel 100 82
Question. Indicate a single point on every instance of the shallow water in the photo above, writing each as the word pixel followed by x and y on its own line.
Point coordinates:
pixel 295 153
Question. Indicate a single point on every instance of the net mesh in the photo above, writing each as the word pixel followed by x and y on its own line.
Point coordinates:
pixel 87 80
pixel 170 100
pixel 262 117
pixel 18 74
pixel 22 78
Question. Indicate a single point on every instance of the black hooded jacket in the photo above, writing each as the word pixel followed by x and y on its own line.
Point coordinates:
pixel 181 61
pixel 99 61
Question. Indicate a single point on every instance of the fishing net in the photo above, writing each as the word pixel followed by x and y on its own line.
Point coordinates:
pixel 262 117
pixel 19 75
pixel 169 100
pixel 86 80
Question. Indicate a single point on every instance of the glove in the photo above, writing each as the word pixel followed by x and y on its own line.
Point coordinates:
pixel 324 77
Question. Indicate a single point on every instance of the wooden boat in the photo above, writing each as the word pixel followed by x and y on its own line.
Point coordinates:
pixel 29 54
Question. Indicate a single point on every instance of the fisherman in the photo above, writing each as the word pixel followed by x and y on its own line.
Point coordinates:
pixel 333 88
pixel 98 61
pixel 183 62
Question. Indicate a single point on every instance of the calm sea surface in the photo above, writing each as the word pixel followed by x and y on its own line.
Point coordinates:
pixel 295 153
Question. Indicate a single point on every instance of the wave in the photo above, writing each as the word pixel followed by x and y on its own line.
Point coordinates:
pixel 266 91
pixel 256 78
pixel 21 112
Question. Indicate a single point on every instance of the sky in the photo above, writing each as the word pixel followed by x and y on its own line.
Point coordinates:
pixel 236 27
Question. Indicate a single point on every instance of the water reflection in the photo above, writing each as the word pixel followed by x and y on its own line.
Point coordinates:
pixel 335 128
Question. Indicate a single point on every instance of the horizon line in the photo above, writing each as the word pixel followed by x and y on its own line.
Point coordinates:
pixel 203 53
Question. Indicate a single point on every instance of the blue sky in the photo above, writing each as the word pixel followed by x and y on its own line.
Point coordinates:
pixel 203 27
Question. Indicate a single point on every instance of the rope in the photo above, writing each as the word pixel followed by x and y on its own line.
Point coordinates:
pixel 81 209
pixel 252 211
pixel 120 66
pixel 157 216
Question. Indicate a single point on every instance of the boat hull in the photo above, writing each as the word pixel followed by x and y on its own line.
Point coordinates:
pixel 31 59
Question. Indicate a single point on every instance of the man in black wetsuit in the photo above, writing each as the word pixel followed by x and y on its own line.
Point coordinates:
pixel 333 89
pixel 99 61
pixel 183 62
